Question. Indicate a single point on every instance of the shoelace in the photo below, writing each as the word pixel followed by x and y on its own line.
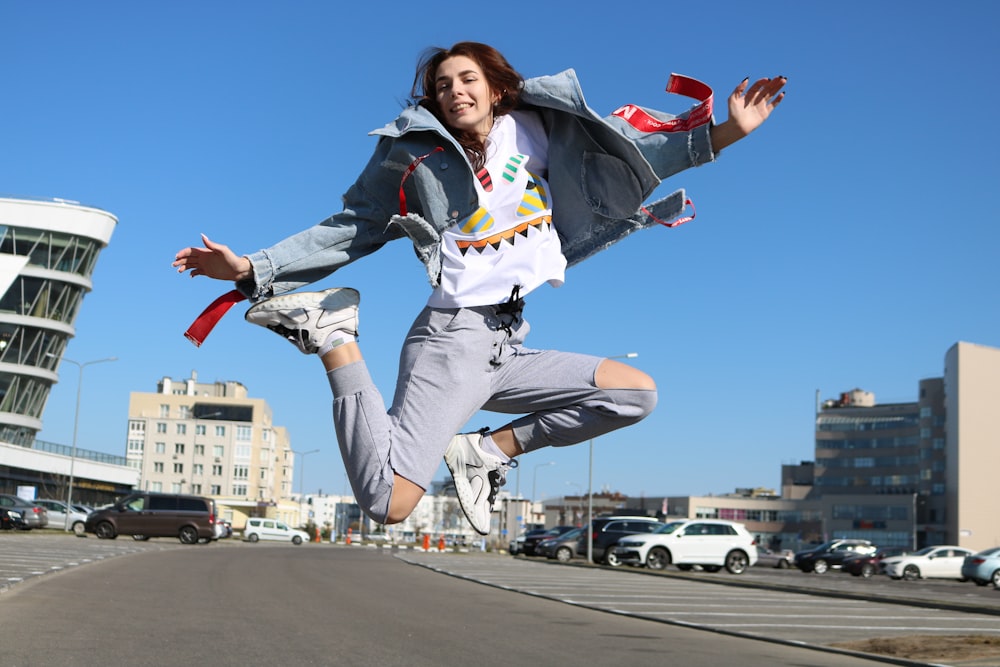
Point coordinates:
pixel 498 478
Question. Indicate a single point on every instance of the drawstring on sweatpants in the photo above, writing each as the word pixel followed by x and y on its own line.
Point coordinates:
pixel 509 313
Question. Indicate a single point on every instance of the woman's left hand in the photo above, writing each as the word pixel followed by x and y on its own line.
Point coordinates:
pixel 749 106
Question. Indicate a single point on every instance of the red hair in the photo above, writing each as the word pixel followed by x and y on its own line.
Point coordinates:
pixel 501 77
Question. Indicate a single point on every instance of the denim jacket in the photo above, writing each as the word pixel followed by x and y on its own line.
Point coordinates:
pixel 419 182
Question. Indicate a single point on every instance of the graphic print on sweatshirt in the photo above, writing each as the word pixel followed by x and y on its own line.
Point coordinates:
pixel 509 239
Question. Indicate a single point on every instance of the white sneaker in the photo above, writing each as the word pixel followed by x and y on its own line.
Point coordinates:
pixel 307 319
pixel 478 477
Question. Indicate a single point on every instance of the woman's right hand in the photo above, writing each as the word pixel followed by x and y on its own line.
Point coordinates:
pixel 214 260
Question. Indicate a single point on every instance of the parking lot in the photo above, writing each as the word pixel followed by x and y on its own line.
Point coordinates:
pixel 785 606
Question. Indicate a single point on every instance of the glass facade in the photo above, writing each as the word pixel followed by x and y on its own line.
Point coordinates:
pixel 39 304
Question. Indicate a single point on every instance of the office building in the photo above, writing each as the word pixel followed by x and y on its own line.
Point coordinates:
pixel 48 251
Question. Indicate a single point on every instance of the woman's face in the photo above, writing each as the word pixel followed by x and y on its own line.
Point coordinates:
pixel 464 96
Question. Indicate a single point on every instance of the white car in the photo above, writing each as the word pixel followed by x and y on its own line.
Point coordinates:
pixel 272 529
pixel 710 543
pixel 57 516
pixel 940 562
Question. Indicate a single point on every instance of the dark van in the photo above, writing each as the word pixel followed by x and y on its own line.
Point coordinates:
pixel 145 515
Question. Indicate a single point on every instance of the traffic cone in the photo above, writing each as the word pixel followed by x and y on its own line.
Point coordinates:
pixel 427 542
pixel 441 543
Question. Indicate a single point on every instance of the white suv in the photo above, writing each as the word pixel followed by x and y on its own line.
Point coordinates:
pixel 710 543
pixel 271 529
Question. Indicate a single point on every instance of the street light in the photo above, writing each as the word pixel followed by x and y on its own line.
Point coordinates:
pixel 302 478
pixel 76 423
pixel 590 481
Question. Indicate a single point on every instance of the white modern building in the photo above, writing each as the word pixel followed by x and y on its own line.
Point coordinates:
pixel 48 251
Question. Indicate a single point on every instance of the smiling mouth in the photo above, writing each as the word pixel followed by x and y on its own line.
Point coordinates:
pixel 461 107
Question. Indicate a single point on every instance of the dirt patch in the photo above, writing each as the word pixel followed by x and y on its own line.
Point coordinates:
pixel 948 648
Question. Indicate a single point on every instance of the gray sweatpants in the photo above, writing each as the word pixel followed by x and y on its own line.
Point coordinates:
pixel 454 363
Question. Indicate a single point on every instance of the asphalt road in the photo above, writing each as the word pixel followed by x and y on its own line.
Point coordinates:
pixel 159 603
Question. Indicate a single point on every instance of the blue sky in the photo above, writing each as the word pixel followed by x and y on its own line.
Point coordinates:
pixel 848 243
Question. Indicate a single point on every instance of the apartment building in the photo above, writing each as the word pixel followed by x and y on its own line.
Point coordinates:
pixel 212 439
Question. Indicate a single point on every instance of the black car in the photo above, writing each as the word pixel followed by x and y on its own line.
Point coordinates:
pixel 532 539
pixel 830 555
pixel 11 520
pixel 867 565
pixel 562 548
pixel 607 530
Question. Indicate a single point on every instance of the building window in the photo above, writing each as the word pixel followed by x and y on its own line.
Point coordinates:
pixel 216 470
pixel 164 411
pixel 196 488
pixel 199 429
pixel 175 487
pixel 135 445
pixel 218 451
pixel 239 489
pixel 216 490
pixel 137 426
pixel 178 448
pixel 199 450
pixel 220 431
pixel 242 452
pixel 925 412
pixel 241 472
pixel 185 412
pixel 179 468
pixel 263 473
pixel 244 433
pixel 161 448
pixel 161 427
pixel 158 466
pixel 156 487
pixel 182 429
pixel 198 469
pixel 937 443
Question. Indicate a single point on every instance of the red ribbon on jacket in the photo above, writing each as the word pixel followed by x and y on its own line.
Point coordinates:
pixel 678 84
pixel 204 323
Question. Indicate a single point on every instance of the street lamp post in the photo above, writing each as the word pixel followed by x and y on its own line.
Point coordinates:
pixel 590 482
pixel 302 477
pixel 76 424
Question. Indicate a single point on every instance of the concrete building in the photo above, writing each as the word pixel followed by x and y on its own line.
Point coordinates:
pixel 972 399
pixel 212 439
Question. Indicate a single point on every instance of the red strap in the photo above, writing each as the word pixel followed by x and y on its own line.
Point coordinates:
pixel 680 85
pixel 406 175
pixel 676 221
pixel 204 323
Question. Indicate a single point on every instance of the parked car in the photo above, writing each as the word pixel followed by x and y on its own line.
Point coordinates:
pixel 562 547
pixel 528 547
pixel 271 529
pixel 607 530
pixel 710 543
pixel 517 545
pixel 223 529
pixel 868 565
pixel 33 516
pixel 983 567
pixel 58 511
pixel 830 555
pixel 11 520
pixel 940 562
pixel 781 559
pixel 142 515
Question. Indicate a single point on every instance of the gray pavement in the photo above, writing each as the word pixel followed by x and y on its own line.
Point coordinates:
pixel 785 607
